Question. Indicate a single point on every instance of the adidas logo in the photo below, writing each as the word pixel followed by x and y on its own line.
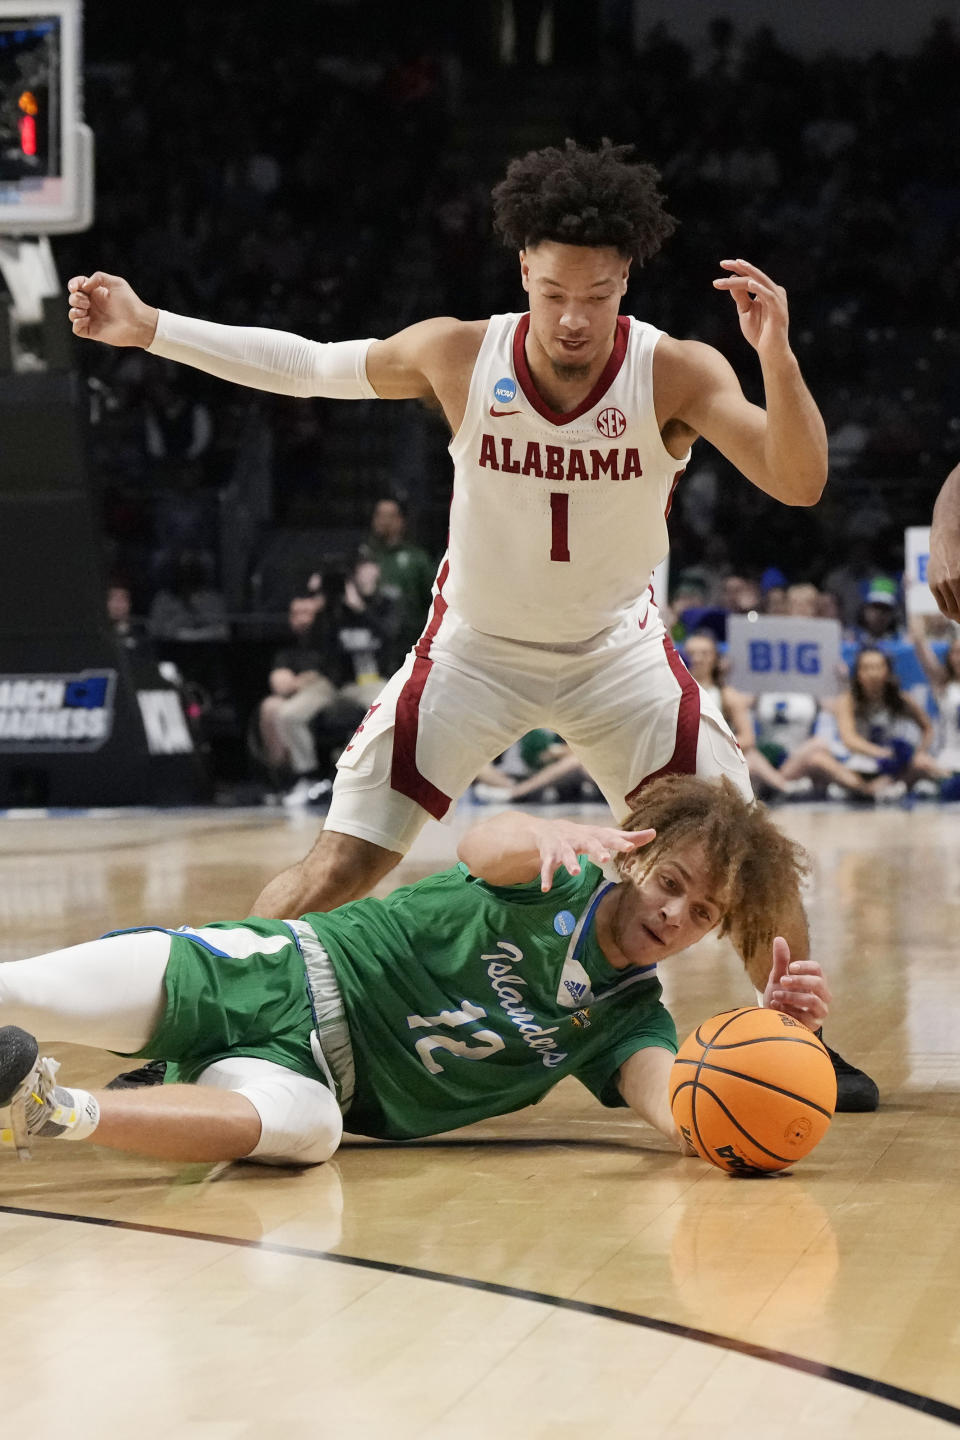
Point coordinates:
pixel 574 988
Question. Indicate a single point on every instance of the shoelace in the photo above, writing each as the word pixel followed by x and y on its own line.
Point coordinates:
pixel 41 1095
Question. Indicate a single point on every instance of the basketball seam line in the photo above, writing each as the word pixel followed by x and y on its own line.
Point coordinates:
pixel 764 1084
pixel 787 1159
pixel 813 1044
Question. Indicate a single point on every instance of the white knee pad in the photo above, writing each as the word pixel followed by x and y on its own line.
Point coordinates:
pixel 300 1121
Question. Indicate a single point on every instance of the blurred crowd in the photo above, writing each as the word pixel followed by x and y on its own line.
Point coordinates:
pixel 326 168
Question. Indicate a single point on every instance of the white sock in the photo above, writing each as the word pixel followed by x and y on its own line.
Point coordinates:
pixel 81 1117
pixel 69 1114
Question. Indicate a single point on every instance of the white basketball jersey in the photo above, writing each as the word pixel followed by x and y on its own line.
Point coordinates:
pixel 557 520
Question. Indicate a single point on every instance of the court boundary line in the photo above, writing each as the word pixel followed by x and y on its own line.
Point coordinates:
pixel 880 1389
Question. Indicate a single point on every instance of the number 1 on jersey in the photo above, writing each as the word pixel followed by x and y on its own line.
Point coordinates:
pixel 559 511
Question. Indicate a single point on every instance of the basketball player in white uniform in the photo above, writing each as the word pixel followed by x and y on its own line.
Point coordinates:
pixel 571 425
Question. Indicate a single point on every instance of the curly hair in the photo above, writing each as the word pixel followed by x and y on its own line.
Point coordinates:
pixel 754 870
pixel 577 196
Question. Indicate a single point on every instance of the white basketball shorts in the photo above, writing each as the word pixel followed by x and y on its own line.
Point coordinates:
pixel 623 701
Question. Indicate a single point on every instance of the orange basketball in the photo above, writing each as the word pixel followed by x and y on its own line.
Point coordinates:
pixel 752 1090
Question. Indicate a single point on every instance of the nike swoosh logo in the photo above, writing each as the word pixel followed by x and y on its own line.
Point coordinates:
pixel 503 412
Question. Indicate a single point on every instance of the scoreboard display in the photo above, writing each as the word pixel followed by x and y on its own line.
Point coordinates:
pixel 46 152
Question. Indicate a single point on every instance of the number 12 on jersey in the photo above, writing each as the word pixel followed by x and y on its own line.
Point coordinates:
pixel 485 1042
pixel 559 513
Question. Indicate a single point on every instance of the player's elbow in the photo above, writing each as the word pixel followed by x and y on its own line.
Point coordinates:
pixel 812 492
pixel 807 482
pixel 802 490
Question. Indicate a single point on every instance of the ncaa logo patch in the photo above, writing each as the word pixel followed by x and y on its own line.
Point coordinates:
pixel 611 422
pixel 505 390
pixel 564 923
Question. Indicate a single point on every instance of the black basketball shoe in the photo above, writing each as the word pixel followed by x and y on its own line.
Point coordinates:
pixel 856 1092
pixel 150 1074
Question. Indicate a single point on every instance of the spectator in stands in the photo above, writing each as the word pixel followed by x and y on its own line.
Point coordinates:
pixel 406 571
pixel 878 618
pixel 887 735
pixel 687 602
pixel 944 679
pixel 802 600
pixel 773 591
pixel 131 633
pixel 300 688
pixel 365 625
pixel 321 683
pixel 828 605
pixel 740 595
pixel 190 607
pixel 176 427
pixel 787 760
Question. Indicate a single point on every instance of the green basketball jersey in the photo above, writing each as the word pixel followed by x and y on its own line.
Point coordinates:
pixel 465 1000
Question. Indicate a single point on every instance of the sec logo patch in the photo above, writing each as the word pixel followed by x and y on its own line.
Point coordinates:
pixel 611 422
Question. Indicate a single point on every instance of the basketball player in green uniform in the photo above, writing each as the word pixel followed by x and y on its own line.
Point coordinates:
pixel 462 997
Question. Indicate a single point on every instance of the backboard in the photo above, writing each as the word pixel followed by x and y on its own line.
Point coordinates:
pixel 46 151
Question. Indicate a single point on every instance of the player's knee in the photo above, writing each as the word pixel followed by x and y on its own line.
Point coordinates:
pixel 300 1121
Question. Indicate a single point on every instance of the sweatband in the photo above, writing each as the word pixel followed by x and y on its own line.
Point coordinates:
pixel 266 359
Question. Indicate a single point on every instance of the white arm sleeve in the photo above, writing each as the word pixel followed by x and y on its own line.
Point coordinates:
pixel 266 359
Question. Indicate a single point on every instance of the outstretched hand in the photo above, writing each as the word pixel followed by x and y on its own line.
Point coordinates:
pixel 761 305
pixel 562 842
pixel 797 987
pixel 105 307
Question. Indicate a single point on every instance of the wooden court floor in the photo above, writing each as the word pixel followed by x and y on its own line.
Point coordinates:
pixel 557 1273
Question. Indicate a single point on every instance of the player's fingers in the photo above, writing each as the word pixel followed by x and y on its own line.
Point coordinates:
pixel 802 990
pixel 806 987
pixel 809 968
pixel 743 300
pixel 630 839
pixel 746 290
pixel 806 983
pixel 99 280
pixel 746 267
pixel 812 1016
pixel 781 957
pixel 570 860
